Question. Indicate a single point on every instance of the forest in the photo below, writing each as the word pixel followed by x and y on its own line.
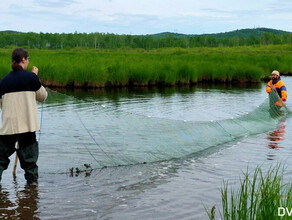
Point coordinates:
pixel 244 37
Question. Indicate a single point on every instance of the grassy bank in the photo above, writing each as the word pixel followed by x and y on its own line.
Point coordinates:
pixel 258 197
pixel 121 67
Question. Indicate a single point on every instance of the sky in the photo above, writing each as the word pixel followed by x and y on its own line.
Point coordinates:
pixel 143 17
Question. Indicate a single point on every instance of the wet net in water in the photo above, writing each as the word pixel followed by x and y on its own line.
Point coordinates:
pixel 79 134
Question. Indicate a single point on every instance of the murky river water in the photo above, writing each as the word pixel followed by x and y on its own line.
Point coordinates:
pixel 174 189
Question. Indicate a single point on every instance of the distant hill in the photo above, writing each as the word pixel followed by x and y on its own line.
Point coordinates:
pixel 257 32
pixel 166 34
pixel 9 31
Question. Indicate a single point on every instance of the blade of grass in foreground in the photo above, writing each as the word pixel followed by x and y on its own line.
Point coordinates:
pixel 258 197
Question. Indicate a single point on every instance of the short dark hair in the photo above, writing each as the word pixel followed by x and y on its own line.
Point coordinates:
pixel 17 56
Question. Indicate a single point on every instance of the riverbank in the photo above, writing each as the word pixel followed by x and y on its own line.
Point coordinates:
pixel 91 68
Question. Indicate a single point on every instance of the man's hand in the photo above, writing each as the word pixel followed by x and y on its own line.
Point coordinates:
pixel 35 70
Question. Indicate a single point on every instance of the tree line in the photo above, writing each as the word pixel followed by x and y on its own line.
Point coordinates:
pixel 113 41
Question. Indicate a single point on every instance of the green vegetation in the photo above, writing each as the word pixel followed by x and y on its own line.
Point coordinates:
pixel 99 60
pixel 258 197
pixel 244 37
pixel 120 67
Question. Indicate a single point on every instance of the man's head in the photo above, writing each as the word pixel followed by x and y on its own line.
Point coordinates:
pixel 20 59
pixel 275 75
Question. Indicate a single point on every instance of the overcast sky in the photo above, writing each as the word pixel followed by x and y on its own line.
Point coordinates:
pixel 143 16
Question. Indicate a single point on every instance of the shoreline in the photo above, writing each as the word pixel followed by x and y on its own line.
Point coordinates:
pixel 92 85
pixel 138 85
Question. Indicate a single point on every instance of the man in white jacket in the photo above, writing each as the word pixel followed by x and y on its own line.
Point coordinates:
pixel 19 91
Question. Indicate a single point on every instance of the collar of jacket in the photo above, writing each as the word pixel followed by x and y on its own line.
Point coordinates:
pixel 276 80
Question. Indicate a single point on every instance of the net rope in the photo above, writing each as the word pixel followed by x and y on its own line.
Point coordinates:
pixel 78 134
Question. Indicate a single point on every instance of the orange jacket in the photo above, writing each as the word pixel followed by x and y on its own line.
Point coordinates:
pixel 280 88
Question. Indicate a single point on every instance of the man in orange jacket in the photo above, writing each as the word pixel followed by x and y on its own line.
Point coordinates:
pixel 278 85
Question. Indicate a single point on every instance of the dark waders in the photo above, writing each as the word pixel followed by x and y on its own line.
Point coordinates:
pixel 27 153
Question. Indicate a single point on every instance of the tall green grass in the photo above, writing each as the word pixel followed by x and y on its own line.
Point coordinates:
pixel 158 66
pixel 258 197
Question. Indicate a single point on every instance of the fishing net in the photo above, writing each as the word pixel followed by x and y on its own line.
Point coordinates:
pixel 78 134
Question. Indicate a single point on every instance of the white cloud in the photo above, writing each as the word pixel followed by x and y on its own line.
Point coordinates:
pixel 54 3
pixel 143 17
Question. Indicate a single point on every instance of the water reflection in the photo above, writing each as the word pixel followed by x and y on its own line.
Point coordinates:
pixel 22 205
pixel 276 138
pixel 115 94
pixel 195 103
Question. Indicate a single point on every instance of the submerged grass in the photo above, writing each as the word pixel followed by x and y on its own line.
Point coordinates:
pixel 159 66
pixel 258 197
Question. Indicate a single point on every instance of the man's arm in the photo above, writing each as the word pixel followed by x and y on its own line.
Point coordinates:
pixel 41 94
pixel 284 93
pixel 269 87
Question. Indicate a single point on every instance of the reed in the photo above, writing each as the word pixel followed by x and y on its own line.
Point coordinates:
pixel 258 197
pixel 170 66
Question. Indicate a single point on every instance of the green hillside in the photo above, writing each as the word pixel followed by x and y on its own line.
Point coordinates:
pixel 257 32
pixel 9 31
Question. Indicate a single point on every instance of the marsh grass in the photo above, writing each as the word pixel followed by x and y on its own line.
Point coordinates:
pixel 258 196
pixel 158 66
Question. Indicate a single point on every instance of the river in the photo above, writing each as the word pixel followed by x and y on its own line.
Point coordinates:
pixel 178 188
